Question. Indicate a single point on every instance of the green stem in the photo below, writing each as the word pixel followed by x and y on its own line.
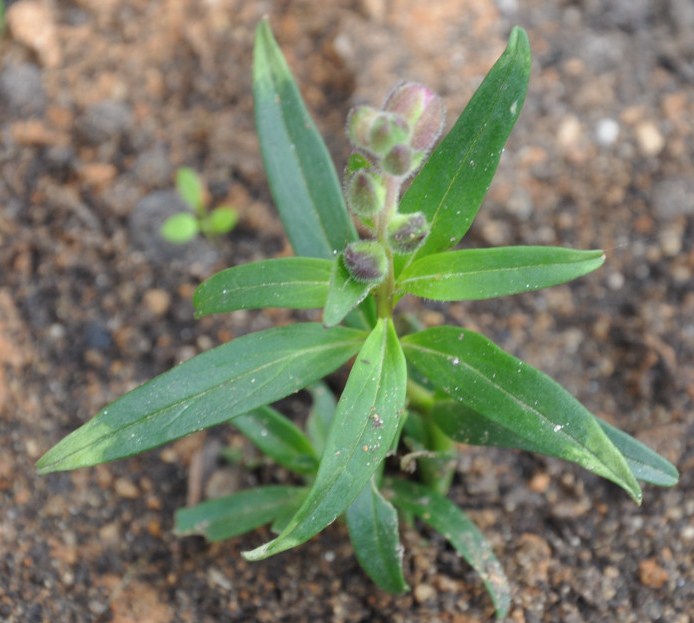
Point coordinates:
pixel 436 472
pixel 384 292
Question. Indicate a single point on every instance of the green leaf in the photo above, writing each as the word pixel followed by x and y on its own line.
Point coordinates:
pixel 474 274
pixel 189 187
pixel 232 515
pixel 321 415
pixel 515 396
pixel 446 518
pixel 180 228
pixel 344 294
pixel 278 438
pixel 302 178
pixel 211 388
pixel 221 220
pixel 373 530
pixel 468 426
pixel 645 464
pixel 366 421
pixel 294 282
pixel 451 186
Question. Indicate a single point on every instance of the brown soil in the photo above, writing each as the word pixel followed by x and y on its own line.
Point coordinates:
pixel 100 101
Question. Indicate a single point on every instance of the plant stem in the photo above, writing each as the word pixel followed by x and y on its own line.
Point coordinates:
pixel 384 292
pixel 437 472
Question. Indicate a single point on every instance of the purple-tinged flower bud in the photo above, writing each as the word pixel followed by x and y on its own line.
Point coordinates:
pixel 366 261
pixel 407 232
pixel 423 110
pixel 387 130
pixel 401 160
pixel 359 122
pixel 365 192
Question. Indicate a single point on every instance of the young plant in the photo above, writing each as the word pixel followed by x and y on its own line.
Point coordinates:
pixel 411 393
pixel 184 226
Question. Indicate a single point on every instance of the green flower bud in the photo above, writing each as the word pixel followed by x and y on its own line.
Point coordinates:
pixel 401 160
pixel 366 261
pixel 407 232
pixel 359 122
pixel 423 111
pixel 365 192
pixel 387 130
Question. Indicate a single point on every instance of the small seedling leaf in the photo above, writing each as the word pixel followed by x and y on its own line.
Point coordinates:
pixel 278 438
pixel 474 274
pixel 302 177
pixel 516 396
pixel 213 387
pixel 446 518
pixel 366 422
pixel 190 188
pixel 233 515
pixel 180 228
pixel 373 530
pixel 293 282
pixel 221 220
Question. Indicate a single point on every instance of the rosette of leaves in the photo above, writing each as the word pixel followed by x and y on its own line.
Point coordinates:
pixel 410 394
pixel 199 219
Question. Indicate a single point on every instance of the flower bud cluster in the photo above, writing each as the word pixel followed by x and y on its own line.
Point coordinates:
pixel 391 144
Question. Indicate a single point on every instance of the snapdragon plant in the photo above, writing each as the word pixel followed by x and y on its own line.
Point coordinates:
pixel 412 394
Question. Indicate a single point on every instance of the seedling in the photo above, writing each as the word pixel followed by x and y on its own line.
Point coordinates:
pixel 412 393
pixel 184 226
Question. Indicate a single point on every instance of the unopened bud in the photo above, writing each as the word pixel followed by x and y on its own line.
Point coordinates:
pixel 407 232
pixel 365 192
pixel 423 111
pixel 401 160
pixel 366 261
pixel 359 122
pixel 387 130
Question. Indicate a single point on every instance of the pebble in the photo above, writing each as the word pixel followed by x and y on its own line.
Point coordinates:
pixel 650 139
pixel 607 132
pixel 672 197
pixel 21 90
pixel 32 24
pixel 126 489
pixel 157 301
pixel 651 574
pixel 153 168
pixel 104 121
pixel 424 592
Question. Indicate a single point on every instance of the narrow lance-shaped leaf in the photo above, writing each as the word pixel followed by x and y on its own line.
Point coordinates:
pixel 644 463
pixel 278 438
pixel 450 188
pixel 467 426
pixel 373 530
pixel 211 388
pixel 292 282
pixel 474 274
pixel 321 415
pixel 302 177
pixel 344 294
pixel 366 421
pixel 446 518
pixel 476 372
pixel 232 515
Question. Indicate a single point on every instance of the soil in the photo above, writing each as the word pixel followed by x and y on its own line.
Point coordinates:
pixel 101 100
